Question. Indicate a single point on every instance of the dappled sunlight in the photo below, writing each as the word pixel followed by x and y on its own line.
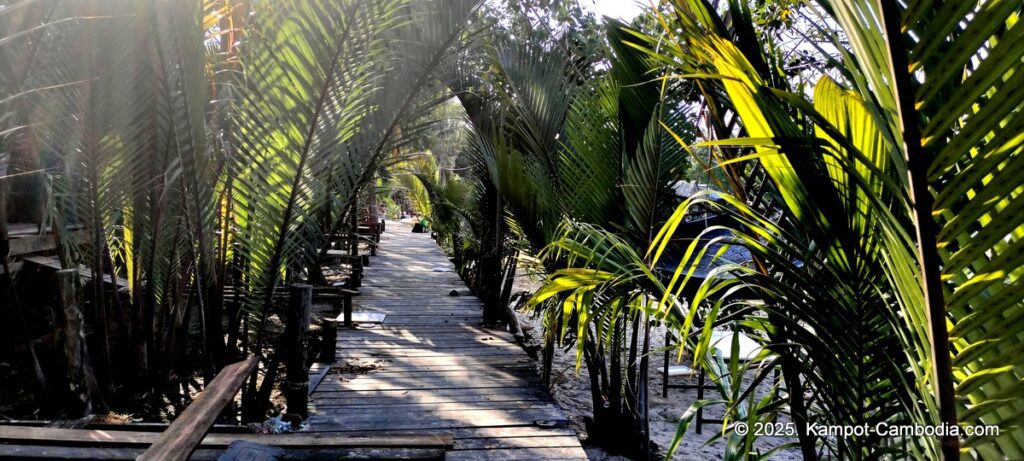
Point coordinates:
pixel 431 365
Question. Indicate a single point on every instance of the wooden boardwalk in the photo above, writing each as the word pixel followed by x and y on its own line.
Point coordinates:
pixel 432 367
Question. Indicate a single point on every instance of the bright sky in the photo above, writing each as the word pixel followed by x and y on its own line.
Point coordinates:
pixel 622 9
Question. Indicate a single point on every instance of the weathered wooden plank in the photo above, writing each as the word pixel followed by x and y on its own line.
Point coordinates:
pixel 429 402
pixel 477 360
pixel 91 437
pixel 438 420
pixel 450 310
pixel 376 335
pixel 363 454
pixel 418 334
pixel 188 429
pixel 425 380
pixel 519 454
pixel 26 452
pixel 496 370
pixel 413 346
pixel 467 319
pixel 407 368
pixel 492 443
pixel 429 375
pixel 34 244
pixel 461 433
pixel 425 395
pixel 419 408
pixel 356 353
pixel 317 372
pixel 424 329
pixel 409 383
pixel 51 262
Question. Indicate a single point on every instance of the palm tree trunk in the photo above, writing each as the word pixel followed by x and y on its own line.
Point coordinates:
pixel 924 225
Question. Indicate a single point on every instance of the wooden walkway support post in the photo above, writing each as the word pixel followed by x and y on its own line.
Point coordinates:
pixel 296 385
pixel 346 310
pixel 328 347
pixel 356 279
pixel 80 381
pixel 329 327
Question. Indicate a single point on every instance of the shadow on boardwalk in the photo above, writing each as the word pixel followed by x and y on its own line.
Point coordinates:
pixel 432 367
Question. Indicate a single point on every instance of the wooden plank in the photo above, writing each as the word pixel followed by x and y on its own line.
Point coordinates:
pixel 486 347
pixel 431 402
pixel 51 262
pixel 33 244
pixel 188 429
pixel 411 383
pixel 438 420
pixel 382 411
pixel 437 353
pixel 363 454
pixel 358 336
pixel 428 395
pixel 27 452
pixel 519 454
pixel 509 370
pixel 317 372
pixel 22 228
pixel 431 320
pixel 461 433
pixel 453 360
pixel 429 375
pixel 86 437
pixel 492 443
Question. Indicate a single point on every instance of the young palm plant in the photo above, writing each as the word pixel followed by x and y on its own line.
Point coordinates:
pixel 546 144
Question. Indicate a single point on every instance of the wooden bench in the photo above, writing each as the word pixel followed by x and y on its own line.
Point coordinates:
pixel 355 261
pixel 344 241
pixel 372 229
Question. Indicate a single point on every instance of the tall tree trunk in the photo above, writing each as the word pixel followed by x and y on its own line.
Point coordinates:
pixel 924 225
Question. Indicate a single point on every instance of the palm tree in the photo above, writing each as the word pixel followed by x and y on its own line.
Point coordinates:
pixel 547 145
pixel 878 275
pixel 199 144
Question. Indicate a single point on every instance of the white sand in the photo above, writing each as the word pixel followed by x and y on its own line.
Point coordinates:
pixel 572 392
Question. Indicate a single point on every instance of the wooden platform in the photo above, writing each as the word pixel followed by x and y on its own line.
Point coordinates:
pixel 431 367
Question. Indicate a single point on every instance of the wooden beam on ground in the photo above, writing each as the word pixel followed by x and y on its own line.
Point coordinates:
pixel 40 452
pixel 187 431
pixel 318 371
pixel 27 435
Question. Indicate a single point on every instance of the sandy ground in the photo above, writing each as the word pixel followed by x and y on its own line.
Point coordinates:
pixel 572 391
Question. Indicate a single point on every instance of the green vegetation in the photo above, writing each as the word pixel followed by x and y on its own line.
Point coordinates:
pixel 863 158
